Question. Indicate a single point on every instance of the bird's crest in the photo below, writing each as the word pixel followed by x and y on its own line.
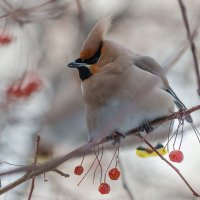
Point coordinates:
pixel 95 37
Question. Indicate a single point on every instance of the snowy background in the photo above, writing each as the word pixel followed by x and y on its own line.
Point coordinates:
pixel 43 46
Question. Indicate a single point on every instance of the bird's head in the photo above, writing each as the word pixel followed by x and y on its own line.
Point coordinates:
pixel 97 54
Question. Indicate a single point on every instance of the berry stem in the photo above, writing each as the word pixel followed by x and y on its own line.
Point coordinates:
pixel 181 136
pixel 99 164
pixel 87 171
pixel 117 158
pixel 117 149
pixel 82 160
pixel 171 165
pixel 195 131
pixel 176 132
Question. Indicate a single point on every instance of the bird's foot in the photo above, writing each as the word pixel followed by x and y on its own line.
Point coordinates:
pixel 116 136
pixel 146 127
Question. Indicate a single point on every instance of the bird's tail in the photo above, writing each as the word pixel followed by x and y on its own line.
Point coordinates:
pixel 179 104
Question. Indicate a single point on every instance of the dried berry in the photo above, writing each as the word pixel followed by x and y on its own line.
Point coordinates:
pixel 176 156
pixel 104 188
pixel 78 170
pixel 114 174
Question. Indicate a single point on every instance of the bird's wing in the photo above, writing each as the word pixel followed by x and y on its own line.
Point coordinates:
pixel 149 64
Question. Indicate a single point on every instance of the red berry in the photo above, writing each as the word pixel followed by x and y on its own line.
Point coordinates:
pixel 18 92
pixel 114 174
pixel 30 88
pixel 4 39
pixel 176 156
pixel 78 170
pixel 14 92
pixel 104 188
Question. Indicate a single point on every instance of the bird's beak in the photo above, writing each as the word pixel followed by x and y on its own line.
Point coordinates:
pixel 77 65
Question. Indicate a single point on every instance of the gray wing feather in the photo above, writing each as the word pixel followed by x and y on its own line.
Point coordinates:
pixel 149 64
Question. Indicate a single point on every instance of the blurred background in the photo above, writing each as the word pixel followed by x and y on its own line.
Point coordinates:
pixel 40 43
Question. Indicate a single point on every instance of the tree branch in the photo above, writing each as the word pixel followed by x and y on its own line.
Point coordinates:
pixel 190 39
pixel 181 49
pixel 34 164
pixel 60 173
pixel 52 164
pixel 171 165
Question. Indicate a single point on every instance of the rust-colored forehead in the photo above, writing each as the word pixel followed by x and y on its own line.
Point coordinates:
pixel 86 54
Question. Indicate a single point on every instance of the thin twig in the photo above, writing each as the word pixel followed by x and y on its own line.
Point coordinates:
pixel 18 12
pixel 22 180
pixel 34 164
pixel 170 164
pixel 181 49
pixel 60 173
pixel 14 184
pixel 190 39
pixel 48 166
pixel 8 163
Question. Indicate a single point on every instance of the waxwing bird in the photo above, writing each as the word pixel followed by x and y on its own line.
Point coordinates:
pixel 122 90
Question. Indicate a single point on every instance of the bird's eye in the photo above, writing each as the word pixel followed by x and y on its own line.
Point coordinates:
pixel 92 60
pixel 79 60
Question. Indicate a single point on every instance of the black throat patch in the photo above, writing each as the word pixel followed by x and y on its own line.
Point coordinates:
pixel 84 73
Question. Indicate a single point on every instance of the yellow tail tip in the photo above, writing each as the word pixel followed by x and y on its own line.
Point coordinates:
pixel 143 152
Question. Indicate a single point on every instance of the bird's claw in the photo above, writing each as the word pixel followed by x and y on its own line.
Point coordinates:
pixel 116 136
pixel 146 127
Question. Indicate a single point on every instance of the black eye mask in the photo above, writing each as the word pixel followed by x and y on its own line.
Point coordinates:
pixel 84 72
pixel 94 59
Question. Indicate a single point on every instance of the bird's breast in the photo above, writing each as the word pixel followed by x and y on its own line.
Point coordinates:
pixel 116 114
pixel 125 114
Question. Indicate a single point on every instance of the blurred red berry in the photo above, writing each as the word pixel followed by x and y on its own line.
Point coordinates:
pixel 176 156
pixel 114 174
pixel 31 87
pixel 4 39
pixel 104 188
pixel 16 91
pixel 78 170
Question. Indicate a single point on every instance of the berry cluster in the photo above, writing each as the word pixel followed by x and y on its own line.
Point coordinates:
pixel 16 90
pixel 104 188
